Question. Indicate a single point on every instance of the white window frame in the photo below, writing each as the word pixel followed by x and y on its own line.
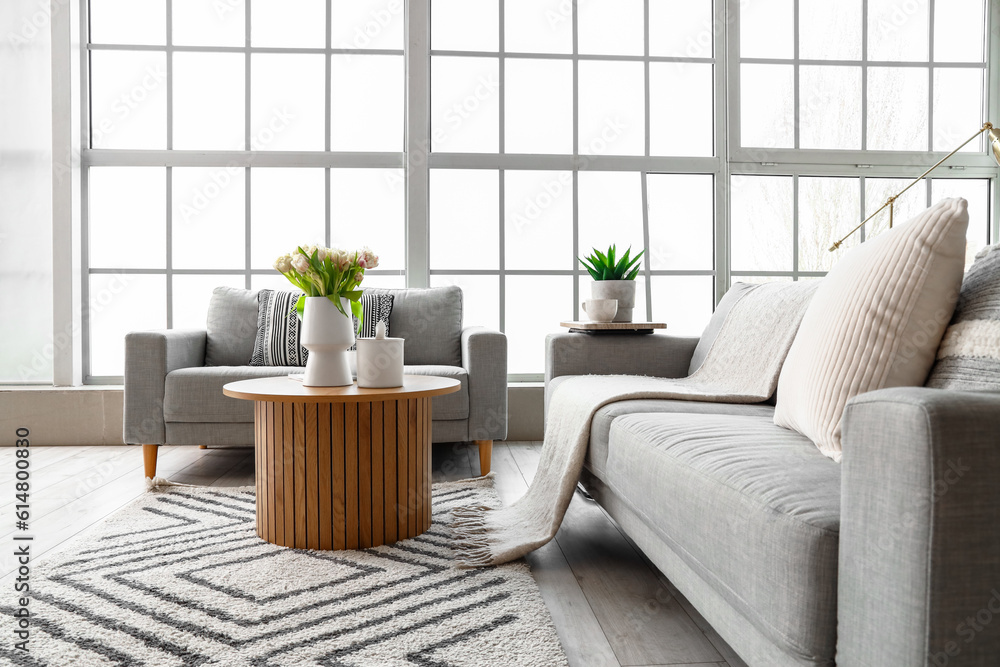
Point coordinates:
pixel 417 160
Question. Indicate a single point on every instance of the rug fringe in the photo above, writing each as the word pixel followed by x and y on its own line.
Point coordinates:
pixel 162 483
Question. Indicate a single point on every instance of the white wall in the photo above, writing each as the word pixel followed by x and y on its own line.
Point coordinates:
pixel 25 192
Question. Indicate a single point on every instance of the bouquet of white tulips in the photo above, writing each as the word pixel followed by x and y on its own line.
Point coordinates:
pixel 329 272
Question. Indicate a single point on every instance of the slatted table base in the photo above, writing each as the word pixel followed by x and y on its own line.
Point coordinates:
pixel 343 475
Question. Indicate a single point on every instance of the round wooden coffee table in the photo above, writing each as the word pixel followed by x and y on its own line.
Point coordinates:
pixel 342 467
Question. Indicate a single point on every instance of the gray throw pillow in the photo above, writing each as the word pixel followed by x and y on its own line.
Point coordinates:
pixel 231 327
pixel 969 356
pixel 735 293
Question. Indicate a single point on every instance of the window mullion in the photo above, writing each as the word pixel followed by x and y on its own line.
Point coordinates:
pixel 417 142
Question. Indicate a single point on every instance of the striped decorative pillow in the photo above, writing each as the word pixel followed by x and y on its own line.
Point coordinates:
pixel 277 341
pixel 875 322
pixel 969 356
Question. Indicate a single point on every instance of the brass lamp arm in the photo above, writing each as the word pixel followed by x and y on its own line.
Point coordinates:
pixel 889 202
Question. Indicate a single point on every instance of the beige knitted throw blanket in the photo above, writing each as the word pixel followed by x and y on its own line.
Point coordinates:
pixel 742 366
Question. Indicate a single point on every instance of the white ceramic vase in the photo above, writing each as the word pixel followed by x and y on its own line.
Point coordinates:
pixel 327 334
pixel 621 290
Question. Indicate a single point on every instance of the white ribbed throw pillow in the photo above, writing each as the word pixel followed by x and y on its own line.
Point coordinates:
pixel 875 322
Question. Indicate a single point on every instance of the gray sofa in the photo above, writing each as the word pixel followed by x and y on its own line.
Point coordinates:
pixel 174 378
pixel 889 559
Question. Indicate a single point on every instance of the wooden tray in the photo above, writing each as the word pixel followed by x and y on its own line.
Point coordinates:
pixel 613 327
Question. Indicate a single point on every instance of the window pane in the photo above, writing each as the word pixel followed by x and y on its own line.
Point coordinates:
pixel 367 103
pixel 289 23
pixel 611 27
pixel 465 219
pixel 480 298
pixel 681 221
pixel 191 295
pixel 539 106
pixel 465 105
pixel 273 280
pixel 287 209
pixel 200 23
pixel 830 30
pixel 767 118
pixel 128 204
pixel 898 30
pixel 897 109
pixel 959 32
pixel 681 28
pixel 367 24
pixel 828 209
pixel 958 108
pixel 384 282
pixel 127 21
pixel 760 280
pixel 538 211
pixel 128 99
pixel 612 108
pixel 287 102
pixel 120 304
pixel 761 211
pixel 209 101
pixel 830 107
pixel 681 129
pixel 683 302
pixel 465 25
pixel 538 26
pixel 209 218
pixel 878 191
pixel 766 29
pixel 610 211
pixel 977 193
pixel 367 208
pixel 585 284
pixel 526 333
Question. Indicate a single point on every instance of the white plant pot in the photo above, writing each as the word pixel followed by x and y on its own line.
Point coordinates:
pixel 327 334
pixel 622 290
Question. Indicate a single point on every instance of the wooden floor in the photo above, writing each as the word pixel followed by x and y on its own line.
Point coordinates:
pixel 610 605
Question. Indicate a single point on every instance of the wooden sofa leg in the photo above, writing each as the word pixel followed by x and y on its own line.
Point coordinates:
pixel 485 455
pixel 149 459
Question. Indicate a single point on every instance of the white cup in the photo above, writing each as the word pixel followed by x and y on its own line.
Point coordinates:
pixel 601 310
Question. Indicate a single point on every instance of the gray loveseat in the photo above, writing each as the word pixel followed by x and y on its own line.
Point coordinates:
pixel 174 378
pixel 889 559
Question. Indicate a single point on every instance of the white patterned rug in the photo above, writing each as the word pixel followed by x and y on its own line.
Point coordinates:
pixel 180 578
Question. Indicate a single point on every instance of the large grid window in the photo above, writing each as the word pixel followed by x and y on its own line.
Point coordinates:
pixel 489 143
pixel 223 134
pixel 837 106
pixel 553 128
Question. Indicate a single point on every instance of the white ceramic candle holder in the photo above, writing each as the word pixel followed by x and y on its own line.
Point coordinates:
pixel 380 361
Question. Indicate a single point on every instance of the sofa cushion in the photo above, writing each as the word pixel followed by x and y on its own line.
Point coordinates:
pixel 735 293
pixel 431 322
pixel 195 394
pixel 448 406
pixel 753 508
pixel 231 327
pixel 600 427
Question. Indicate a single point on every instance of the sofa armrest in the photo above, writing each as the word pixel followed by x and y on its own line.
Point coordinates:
pixel 149 356
pixel 608 354
pixel 919 570
pixel 484 356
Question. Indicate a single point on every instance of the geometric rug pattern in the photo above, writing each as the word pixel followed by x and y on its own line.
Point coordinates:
pixel 179 577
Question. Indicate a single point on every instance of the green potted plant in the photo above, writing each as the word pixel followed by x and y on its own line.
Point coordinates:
pixel 614 278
